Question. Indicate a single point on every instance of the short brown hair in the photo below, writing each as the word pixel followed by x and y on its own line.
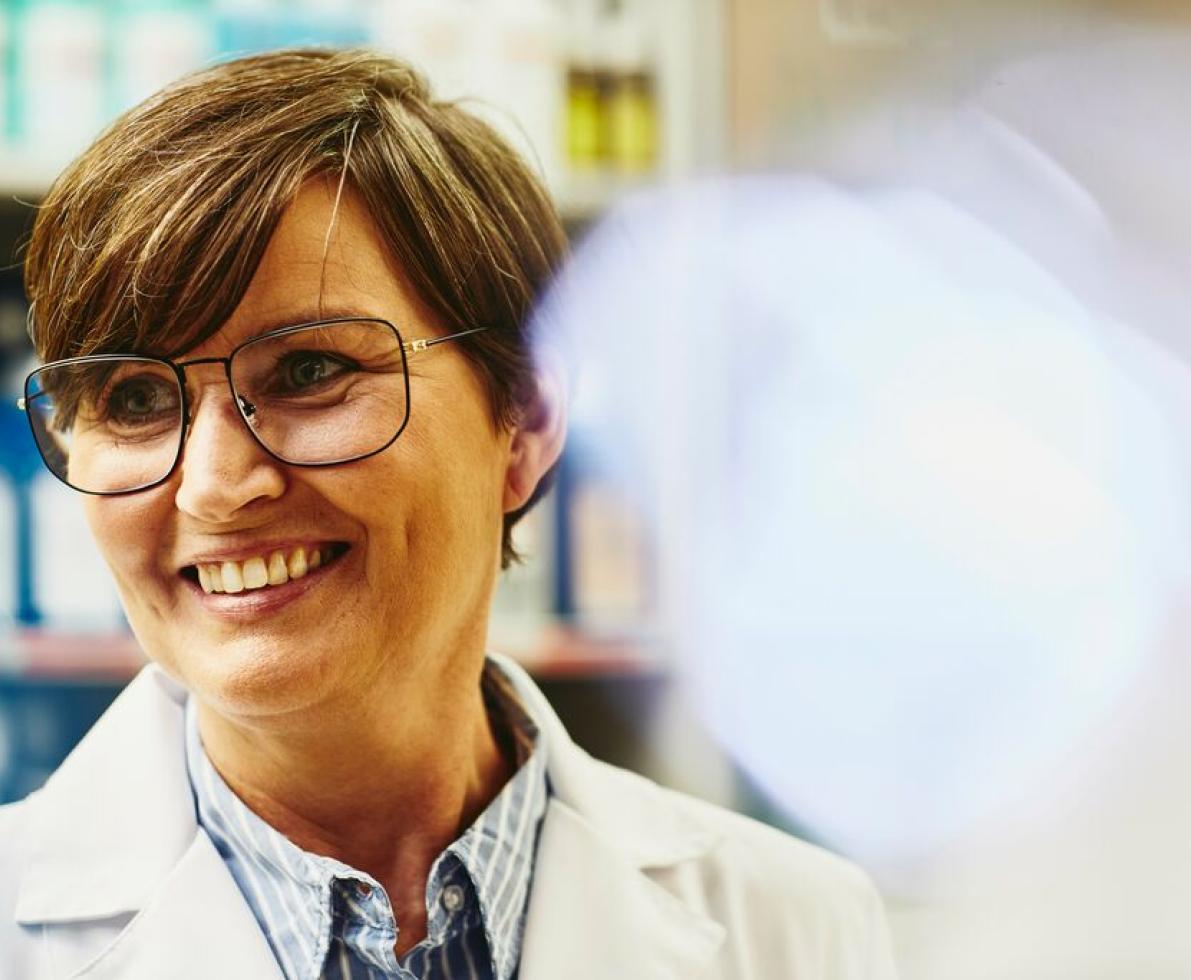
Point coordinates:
pixel 148 241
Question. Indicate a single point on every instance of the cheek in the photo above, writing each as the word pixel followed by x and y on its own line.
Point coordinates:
pixel 131 535
pixel 431 502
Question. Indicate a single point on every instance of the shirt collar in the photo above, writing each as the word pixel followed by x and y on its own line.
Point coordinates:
pixel 289 889
pixel 498 848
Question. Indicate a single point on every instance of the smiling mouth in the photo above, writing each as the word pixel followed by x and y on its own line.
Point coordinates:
pixel 263 571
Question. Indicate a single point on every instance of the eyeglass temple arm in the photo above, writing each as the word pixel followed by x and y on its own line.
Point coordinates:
pixel 23 403
pixel 413 346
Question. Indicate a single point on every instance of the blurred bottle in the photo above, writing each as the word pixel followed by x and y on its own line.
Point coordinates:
pixel 50 571
pixel 437 37
pixel 630 112
pixel 523 45
pixel 73 587
pixel 9 536
pixel 6 63
pixel 19 463
pixel 19 466
pixel 610 570
pixel 324 22
pixel 152 42
pixel 612 112
pixel 863 22
pixel 59 48
pixel 522 609
pixel 584 123
pixel 242 27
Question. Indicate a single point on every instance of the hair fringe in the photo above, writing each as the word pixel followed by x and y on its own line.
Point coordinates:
pixel 347 156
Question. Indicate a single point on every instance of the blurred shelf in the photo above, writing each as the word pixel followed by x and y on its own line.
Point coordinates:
pixel 55 685
pixel 33 653
pixel 561 652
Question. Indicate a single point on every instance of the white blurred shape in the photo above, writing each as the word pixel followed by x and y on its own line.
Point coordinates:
pixel 8 553
pixel 72 584
pixel 920 513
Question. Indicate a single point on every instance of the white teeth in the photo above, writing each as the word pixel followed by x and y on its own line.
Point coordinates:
pixel 278 573
pixel 255 574
pixel 259 572
pixel 297 563
pixel 233 581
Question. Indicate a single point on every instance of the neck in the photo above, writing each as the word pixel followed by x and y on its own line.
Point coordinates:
pixel 384 784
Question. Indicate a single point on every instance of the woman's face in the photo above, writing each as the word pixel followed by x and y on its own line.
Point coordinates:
pixel 412 534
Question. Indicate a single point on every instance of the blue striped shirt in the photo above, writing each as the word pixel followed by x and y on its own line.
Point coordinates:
pixel 324 919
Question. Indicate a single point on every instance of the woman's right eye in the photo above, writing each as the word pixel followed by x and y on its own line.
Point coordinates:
pixel 140 400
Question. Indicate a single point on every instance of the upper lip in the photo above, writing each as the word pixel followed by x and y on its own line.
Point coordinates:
pixel 255 549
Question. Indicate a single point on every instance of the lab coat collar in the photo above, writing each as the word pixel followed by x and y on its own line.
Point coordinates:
pixel 195 926
pixel 113 821
pixel 592 915
pixel 114 833
pixel 595 909
pixel 634 815
pixel 114 845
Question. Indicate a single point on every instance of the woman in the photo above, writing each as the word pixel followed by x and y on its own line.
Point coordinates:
pixel 284 307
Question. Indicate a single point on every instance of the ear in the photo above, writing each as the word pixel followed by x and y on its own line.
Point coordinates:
pixel 538 436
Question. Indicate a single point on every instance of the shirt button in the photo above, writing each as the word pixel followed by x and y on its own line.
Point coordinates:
pixel 452 898
pixel 363 889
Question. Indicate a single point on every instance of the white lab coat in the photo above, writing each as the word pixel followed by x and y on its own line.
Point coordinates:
pixel 104 873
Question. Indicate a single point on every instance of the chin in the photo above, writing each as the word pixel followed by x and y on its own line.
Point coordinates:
pixel 252 677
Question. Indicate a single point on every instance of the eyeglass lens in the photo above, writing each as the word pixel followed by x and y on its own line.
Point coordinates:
pixel 315 395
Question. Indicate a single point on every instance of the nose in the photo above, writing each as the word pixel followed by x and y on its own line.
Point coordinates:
pixel 223 469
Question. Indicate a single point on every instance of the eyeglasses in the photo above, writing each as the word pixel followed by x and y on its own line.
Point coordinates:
pixel 314 394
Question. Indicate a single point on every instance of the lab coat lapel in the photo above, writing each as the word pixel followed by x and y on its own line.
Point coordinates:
pixel 595 911
pixel 196 927
pixel 120 878
pixel 593 914
pixel 112 822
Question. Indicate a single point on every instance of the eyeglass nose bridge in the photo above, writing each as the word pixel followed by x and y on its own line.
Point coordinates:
pixel 247 408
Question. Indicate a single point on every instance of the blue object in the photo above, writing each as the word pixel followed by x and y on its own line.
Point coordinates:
pixel 21 463
pixel 564 486
pixel 250 32
pixel 41 720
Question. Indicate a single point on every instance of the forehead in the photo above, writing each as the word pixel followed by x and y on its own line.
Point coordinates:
pixel 325 259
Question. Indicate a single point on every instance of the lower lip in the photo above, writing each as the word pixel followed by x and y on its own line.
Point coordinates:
pixel 265 600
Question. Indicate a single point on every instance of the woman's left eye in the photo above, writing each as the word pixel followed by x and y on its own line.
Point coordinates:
pixel 307 369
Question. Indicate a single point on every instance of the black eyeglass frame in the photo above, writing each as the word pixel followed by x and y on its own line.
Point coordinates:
pixel 243 406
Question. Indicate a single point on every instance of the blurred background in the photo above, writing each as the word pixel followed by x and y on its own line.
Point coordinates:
pixel 873 521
